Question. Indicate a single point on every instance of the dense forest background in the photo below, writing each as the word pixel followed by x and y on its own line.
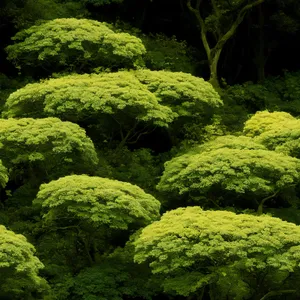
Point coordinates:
pixel 149 149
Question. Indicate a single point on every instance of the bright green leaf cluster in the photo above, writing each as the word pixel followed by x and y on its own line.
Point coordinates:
pixel 263 121
pixel 193 248
pixel 278 131
pixel 230 142
pixel 254 172
pixel 78 97
pixel 74 43
pixel 19 267
pixel 50 143
pixel 157 96
pixel 187 95
pixel 97 201
pixel 125 101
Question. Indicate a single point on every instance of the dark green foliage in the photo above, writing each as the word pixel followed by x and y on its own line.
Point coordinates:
pixel 163 52
pixel 116 278
pixel 140 167
pixel 3 175
pixel 252 96
pixel 274 94
pixel 8 86
pixel 26 13
pixel 101 2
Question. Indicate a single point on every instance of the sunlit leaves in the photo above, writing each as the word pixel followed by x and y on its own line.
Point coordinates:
pixel 193 248
pixel 97 201
pixel 126 101
pixel 19 266
pixel 74 43
pixel 187 95
pixel 263 121
pixel 252 173
pixel 150 94
pixel 278 131
pixel 49 145
pixel 78 97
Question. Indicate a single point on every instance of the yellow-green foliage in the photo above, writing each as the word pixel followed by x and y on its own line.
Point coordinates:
pixel 250 173
pixel 192 248
pixel 97 201
pixel 263 120
pixel 149 96
pixel 18 266
pixel 187 95
pixel 230 142
pixel 3 174
pixel 77 97
pixel 278 131
pixel 115 102
pixel 74 42
pixel 50 143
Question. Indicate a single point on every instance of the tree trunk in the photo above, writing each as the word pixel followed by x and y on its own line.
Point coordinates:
pixel 213 67
pixel 261 205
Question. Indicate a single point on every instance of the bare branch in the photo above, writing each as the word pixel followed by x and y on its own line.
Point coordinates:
pixel 197 14
pixel 236 23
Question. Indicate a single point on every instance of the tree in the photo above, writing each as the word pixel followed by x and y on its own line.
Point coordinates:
pixel 74 45
pixel 263 121
pixel 228 256
pixel 278 131
pixel 36 149
pixel 122 105
pixel 19 268
pixel 220 25
pixel 95 209
pixel 230 175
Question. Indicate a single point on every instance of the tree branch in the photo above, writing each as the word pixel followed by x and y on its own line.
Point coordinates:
pixel 236 23
pixel 196 13
pixel 261 205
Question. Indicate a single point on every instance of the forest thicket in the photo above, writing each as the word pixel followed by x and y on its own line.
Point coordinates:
pixel 149 149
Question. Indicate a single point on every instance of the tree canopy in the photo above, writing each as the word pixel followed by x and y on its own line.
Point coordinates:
pixel 97 201
pixel 278 131
pixel 19 267
pixel 121 118
pixel 74 44
pixel 263 121
pixel 195 249
pixel 248 176
pixel 49 145
pixel 124 103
